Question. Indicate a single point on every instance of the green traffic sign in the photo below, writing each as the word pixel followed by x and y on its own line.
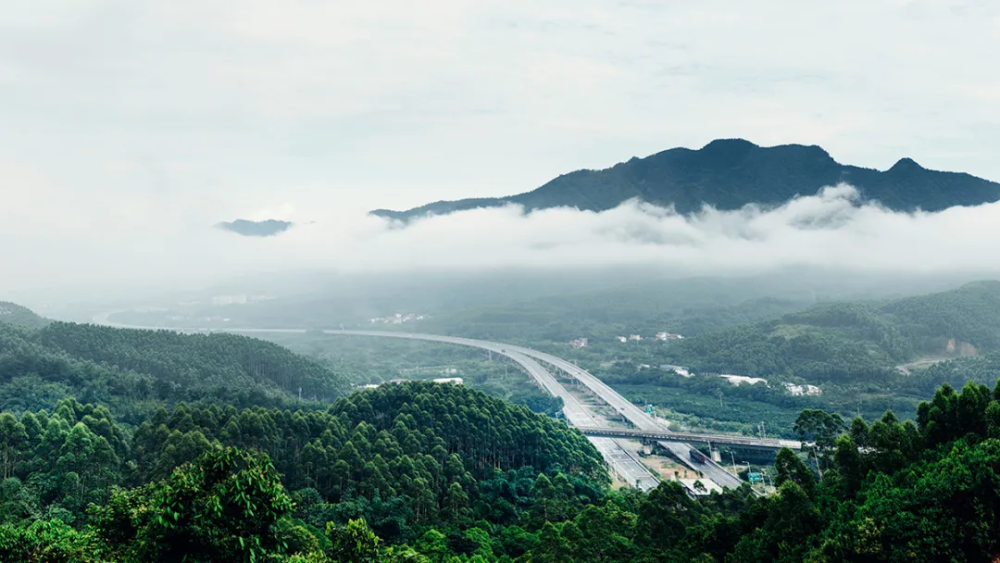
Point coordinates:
pixel 755 477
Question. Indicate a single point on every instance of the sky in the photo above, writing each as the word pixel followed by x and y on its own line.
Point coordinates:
pixel 129 128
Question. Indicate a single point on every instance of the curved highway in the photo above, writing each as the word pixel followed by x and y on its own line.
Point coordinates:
pixel 622 462
pixel 623 406
pixel 625 466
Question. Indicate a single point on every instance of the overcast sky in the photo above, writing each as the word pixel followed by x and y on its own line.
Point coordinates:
pixel 128 127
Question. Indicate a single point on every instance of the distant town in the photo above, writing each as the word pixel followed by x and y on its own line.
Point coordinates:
pixel 397 319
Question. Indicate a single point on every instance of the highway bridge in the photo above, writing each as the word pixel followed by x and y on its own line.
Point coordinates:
pixel 711 440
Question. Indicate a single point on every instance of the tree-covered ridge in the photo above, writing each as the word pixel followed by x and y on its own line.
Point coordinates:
pixel 731 173
pixel 132 370
pixel 12 313
pixel 408 458
pixel 881 492
pixel 853 341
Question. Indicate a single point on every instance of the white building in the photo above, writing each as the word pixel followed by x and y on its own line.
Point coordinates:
pixel 451 380
pixel 396 319
pixel 682 371
pixel 803 390
pixel 621 339
pixel 668 336
pixel 741 379
pixel 579 343
pixel 635 337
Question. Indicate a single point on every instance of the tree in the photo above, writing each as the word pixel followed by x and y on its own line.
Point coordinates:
pixel 222 507
pixel 355 543
pixel 820 428
pixel 44 542
pixel 790 468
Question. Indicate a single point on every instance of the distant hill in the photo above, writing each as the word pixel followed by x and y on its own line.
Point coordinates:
pixel 137 370
pixel 268 228
pixel 854 341
pixel 729 174
pixel 12 313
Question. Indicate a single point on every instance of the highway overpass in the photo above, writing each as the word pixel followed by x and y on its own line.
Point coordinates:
pixel 712 440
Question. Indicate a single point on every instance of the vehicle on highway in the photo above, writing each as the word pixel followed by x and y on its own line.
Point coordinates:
pixel 697 456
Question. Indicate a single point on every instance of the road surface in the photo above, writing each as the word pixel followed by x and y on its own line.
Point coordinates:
pixel 621 462
pixel 772 444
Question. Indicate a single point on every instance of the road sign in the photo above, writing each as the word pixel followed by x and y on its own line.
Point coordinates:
pixel 755 477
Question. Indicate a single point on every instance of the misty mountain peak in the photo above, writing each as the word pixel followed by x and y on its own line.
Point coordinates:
pixel 729 174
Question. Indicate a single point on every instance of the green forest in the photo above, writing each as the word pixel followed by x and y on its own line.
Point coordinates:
pixel 852 341
pixel 421 472
pixel 131 372
pixel 121 446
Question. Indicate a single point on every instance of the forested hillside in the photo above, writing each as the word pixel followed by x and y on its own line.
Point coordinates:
pixel 12 313
pixel 843 342
pixel 731 173
pixel 132 371
pixel 409 459
pixel 426 473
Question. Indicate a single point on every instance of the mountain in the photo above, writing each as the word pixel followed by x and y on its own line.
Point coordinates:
pixel 268 228
pixel 731 173
pixel 12 313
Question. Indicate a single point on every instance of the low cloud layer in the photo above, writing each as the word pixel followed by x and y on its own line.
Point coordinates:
pixel 826 229
pixel 119 149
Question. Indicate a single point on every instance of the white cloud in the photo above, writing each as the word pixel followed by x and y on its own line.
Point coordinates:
pixel 162 245
pixel 131 126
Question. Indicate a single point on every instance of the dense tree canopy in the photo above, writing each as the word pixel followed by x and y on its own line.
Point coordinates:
pixel 132 370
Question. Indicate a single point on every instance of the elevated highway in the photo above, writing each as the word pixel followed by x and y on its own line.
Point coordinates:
pixel 708 439
pixel 621 461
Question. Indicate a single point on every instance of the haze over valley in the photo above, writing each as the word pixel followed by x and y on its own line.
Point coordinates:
pixel 499 282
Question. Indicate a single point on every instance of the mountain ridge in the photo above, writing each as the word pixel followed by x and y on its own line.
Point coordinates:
pixel 14 314
pixel 729 174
